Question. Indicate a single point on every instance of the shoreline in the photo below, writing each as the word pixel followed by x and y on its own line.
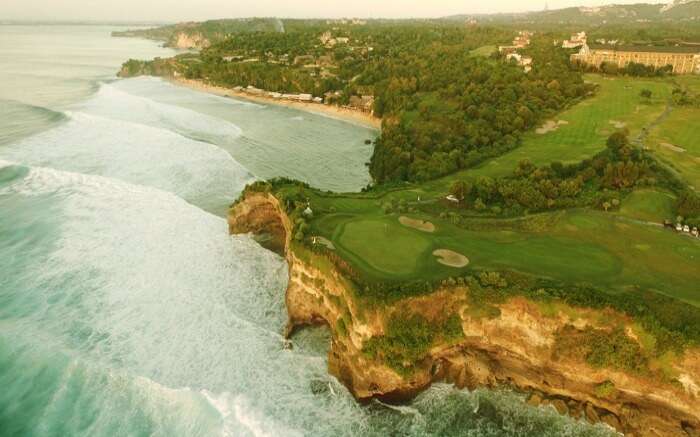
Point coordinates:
pixel 331 111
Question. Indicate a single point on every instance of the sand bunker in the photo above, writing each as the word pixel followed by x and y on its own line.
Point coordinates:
pixel 324 241
pixel 417 224
pixel 672 147
pixel 618 124
pixel 550 126
pixel 451 259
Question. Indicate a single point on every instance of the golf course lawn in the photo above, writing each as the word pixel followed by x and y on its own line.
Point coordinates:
pixel 484 51
pixel 676 142
pixel 615 251
pixel 605 249
pixel 392 249
pixel 648 205
pixel 590 122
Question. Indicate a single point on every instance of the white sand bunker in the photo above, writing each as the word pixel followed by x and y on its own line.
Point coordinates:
pixel 324 241
pixel 618 124
pixel 451 259
pixel 550 126
pixel 417 224
pixel 672 147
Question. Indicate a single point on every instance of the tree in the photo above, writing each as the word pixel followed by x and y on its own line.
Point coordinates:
pixel 646 94
pixel 460 190
pixel 618 145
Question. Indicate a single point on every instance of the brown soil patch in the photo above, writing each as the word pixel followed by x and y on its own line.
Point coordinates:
pixel 550 126
pixel 672 147
pixel 618 124
pixel 451 259
pixel 417 224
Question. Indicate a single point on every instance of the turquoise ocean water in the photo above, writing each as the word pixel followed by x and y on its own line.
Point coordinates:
pixel 125 308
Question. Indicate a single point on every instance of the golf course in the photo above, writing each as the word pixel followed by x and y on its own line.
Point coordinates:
pixel 425 237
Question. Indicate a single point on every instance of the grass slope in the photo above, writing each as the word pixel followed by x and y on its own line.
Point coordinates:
pixel 589 124
pixel 676 142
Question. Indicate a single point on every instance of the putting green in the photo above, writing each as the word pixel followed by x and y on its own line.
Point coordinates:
pixel 384 245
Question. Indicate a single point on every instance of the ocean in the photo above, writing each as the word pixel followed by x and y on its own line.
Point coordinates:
pixel 126 309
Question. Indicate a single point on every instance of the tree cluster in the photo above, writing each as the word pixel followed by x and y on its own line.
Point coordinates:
pixel 595 182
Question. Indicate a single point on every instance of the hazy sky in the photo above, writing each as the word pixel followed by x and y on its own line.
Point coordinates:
pixel 180 10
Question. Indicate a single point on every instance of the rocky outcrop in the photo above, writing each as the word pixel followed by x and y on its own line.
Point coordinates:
pixel 516 348
pixel 186 41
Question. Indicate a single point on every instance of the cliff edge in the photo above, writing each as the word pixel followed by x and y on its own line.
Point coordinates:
pixel 393 350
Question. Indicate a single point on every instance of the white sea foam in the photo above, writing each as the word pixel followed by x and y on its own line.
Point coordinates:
pixel 111 101
pixel 197 171
pixel 241 419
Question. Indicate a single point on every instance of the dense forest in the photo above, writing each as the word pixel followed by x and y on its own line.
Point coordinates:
pixel 445 110
pixel 443 107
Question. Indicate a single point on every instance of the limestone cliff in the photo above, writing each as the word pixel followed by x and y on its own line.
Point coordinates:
pixel 517 348
pixel 186 41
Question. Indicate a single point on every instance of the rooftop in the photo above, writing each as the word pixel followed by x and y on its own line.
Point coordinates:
pixel 650 49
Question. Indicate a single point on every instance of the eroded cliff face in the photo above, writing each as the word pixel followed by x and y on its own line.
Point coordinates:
pixel 185 41
pixel 516 348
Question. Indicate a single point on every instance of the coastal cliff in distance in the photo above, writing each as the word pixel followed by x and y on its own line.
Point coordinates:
pixel 448 335
pixel 200 35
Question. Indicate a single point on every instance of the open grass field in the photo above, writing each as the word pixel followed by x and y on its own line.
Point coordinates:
pixel 649 206
pixel 676 142
pixel 691 82
pixel 617 103
pixel 484 51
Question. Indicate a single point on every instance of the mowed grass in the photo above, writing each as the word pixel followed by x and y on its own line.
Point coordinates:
pixel 613 251
pixel 383 246
pixel 648 205
pixel 484 51
pixel 590 122
pixel 690 82
pixel 676 141
pixel 605 249
pixel 652 257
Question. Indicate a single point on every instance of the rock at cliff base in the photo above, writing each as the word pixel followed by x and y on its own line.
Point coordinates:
pixel 592 414
pixel 535 400
pixel 612 421
pixel 560 406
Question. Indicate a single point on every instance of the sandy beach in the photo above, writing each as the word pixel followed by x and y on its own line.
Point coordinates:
pixel 324 110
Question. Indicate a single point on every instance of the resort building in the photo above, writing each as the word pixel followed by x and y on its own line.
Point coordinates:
pixel 523 61
pixel 519 42
pixel 577 40
pixel 684 60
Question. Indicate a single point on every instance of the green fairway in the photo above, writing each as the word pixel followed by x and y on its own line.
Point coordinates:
pixel 616 104
pixel 614 251
pixel 648 205
pixel 652 257
pixel 676 142
pixel 484 51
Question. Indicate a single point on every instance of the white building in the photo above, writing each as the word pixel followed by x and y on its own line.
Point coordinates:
pixel 576 40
